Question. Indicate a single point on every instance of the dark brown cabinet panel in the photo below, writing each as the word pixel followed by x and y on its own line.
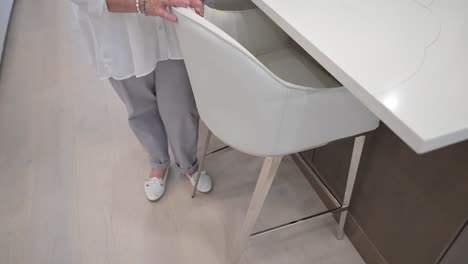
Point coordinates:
pixel 410 206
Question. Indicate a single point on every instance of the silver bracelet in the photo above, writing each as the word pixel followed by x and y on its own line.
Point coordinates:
pixel 143 6
pixel 137 3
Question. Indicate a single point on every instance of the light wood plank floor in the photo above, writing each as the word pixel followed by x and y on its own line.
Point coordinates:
pixel 71 172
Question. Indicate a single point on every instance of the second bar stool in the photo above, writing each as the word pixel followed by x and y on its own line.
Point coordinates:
pixel 271 105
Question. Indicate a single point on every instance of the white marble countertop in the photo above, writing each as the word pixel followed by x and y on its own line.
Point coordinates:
pixel 406 60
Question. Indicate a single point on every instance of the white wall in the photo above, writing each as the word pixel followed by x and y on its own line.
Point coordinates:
pixel 5 11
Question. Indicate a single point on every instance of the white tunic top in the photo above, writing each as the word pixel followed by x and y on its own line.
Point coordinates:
pixel 124 45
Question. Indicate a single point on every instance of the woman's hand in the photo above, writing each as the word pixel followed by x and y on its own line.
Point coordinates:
pixel 199 6
pixel 160 8
pixel 156 7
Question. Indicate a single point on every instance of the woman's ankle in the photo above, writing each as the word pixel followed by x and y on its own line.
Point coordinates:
pixel 157 173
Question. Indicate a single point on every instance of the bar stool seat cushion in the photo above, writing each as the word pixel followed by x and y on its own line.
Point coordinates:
pixel 293 66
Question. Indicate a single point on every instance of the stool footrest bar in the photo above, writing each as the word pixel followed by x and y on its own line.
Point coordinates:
pixel 268 230
pixel 217 150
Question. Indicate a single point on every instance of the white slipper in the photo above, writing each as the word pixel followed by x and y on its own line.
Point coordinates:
pixel 205 184
pixel 155 187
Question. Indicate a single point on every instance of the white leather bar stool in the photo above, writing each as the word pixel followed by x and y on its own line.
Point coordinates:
pixel 270 105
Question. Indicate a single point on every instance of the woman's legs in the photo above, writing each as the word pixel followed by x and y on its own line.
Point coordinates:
pixel 161 108
pixel 178 112
pixel 139 96
pixel 163 102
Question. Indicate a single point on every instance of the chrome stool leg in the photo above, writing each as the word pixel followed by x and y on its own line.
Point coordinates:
pixel 353 168
pixel 201 164
pixel 267 175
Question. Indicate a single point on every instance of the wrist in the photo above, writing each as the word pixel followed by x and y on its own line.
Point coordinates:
pixel 141 6
pixel 121 6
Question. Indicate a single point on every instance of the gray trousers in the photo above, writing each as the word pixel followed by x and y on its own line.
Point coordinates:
pixel 161 110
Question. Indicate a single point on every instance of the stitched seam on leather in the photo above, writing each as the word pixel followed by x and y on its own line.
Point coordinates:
pixel 283 110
